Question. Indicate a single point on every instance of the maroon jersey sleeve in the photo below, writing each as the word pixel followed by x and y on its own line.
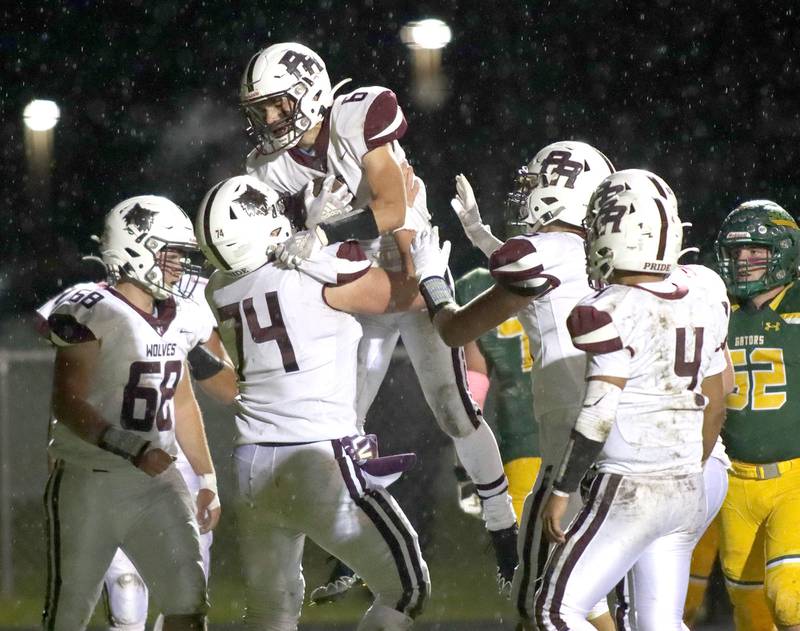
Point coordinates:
pixel 384 122
pixel 593 330
pixel 517 266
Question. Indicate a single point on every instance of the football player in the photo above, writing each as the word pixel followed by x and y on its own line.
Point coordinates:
pixel 498 367
pixel 302 132
pixel 651 414
pixel 124 591
pixel 294 344
pixel 121 398
pixel 644 577
pixel 538 277
pixel 758 252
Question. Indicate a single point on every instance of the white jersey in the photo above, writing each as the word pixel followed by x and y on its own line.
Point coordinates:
pixel 359 121
pixel 141 361
pixel 295 356
pixel 709 281
pixel 663 338
pixel 522 265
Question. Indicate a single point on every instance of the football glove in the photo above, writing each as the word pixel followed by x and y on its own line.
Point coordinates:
pixel 430 259
pixel 466 209
pixel 328 205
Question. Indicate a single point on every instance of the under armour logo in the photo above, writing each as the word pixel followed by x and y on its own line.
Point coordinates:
pixel 562 166
pixel 772 326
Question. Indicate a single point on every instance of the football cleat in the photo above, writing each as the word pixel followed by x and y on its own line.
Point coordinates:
pixel 504 543
pixel 341 580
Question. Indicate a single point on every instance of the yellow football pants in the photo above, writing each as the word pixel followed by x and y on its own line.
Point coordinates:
pixel 703 557
pixel 521 474
pixel 760 544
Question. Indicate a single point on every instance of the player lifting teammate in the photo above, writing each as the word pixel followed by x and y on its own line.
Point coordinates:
pixel 303 470
pixel 302 133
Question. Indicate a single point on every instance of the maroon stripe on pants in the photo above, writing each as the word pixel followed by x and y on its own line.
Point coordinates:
pixel 577 550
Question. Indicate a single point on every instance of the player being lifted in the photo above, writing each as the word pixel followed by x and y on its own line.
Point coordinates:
pixel 758 252
pixel 539 277
pixel 302 132
pixel 651 414
pixel 303 468
pixel 121 397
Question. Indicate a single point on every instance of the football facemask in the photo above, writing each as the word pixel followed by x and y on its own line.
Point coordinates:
pixel 751 226
pixel 149 240
pixel 557 184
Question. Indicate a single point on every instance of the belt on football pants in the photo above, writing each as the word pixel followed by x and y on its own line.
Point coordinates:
pixel 764 471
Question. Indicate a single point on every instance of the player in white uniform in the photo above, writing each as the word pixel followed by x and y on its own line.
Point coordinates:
pixel 303 468
pixel 355 136
pixel 121 397
pixel 652 411
pixel 539 278
pixel 647 583
pixel 125 593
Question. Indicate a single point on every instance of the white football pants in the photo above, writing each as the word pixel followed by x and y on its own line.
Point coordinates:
pixel 532 547
pixel 625 518
pixel 647 583
pixel 442 375
pixel 92 513
pixel 286 493
pixel 126 595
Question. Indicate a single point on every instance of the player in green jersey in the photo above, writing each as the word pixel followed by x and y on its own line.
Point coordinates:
pixel 758 250
pixel 502 358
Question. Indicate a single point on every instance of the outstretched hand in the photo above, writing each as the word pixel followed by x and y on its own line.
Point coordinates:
pixel 430 259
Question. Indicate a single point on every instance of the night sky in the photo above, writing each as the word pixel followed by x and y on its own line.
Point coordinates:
pixel 701 95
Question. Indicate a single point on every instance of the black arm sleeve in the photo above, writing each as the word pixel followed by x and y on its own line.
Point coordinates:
pixel 359 224
pixel 437 294
pixel 203 363
pixel 581 454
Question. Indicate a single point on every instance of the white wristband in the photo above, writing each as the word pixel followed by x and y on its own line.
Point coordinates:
pixel 558 493
pixel 209 481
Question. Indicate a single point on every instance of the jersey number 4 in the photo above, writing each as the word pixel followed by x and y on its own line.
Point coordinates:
pixel 751 384
pixel 275 332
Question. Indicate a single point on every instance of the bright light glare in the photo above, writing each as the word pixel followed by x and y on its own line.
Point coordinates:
pixel 40 115
pixel 427 34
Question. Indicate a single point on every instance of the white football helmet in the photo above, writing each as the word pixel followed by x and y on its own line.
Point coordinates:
pixel 238 222
pixel 557 184
pixel 634 228
pixel 139 235
pixel 288 70
pixel 626 180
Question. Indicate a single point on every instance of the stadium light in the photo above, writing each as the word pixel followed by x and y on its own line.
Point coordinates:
pixel 426 39
pixel 40 118
pixel 41 115
pixel 426 34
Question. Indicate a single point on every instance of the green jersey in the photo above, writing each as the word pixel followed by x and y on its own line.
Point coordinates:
pixel 763 423
pixel 507 352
